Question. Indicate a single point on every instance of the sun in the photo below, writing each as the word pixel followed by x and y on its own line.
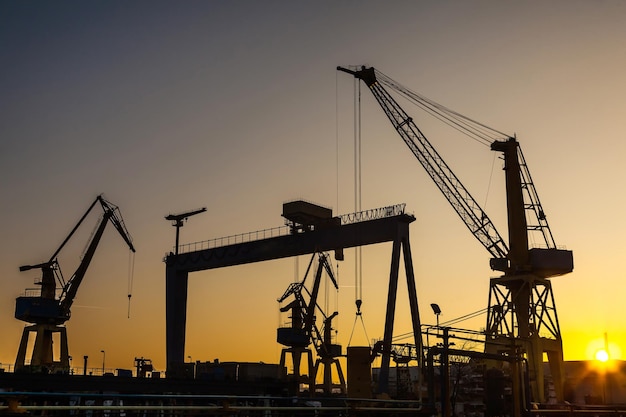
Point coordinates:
pixel 602 355
pixel 601 351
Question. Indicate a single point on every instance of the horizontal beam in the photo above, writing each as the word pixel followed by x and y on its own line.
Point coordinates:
pixel 331 238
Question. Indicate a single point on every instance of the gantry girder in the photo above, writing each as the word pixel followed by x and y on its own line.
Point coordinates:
pixel 393 228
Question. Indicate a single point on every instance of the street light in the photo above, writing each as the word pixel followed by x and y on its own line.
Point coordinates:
pixel 437 312
pixel 104 355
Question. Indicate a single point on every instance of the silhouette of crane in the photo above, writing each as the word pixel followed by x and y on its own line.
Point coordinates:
pixel 49 313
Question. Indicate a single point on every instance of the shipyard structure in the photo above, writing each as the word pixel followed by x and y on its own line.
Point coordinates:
pixel 503 374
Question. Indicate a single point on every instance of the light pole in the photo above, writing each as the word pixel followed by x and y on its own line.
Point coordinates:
pixel 104 355
pixel 437 312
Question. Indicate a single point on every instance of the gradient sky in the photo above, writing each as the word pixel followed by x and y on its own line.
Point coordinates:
pixel 169 106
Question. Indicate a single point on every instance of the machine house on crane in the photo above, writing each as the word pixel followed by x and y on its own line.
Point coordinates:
pixel 50 309
pixel 522 317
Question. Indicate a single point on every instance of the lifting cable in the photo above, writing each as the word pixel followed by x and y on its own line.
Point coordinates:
pixel 336 184
pixel 327 290
pixel 493 164
pixel 131 276
pixel 358 264
pixel 475 130
pixel 358 259
pixel 337 140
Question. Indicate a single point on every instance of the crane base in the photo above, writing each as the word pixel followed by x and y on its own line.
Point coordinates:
pixel 42 358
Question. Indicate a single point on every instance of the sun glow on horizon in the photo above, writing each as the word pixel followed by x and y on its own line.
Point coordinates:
pixel 602 355
pixel 600 350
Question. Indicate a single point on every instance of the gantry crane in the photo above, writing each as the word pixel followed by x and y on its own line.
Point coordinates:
pixel 303 330
pixel 45 310
pixel 522 315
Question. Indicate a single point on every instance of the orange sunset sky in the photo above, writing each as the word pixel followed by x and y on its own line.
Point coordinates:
pixel 236 106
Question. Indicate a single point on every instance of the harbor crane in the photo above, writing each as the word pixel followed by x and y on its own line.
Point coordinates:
pixel 522 315
pixel 303 330
pixel 48 312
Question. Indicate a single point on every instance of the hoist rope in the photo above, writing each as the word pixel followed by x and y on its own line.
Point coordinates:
pixel 131 276
pixel 357 185
pixel 475 130
pixel 493 164
pixel 337 141
pixel 337 301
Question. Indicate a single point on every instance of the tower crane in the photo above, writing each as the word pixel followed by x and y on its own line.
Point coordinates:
pixel 304 331
pixel 48 312
pixel 521 314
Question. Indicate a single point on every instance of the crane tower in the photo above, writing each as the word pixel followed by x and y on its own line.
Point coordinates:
pixel 522 315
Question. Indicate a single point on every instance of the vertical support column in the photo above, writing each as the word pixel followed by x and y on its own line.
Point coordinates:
pixel 42 351
pixel 555 359
pixel 64 350
pixel 400 243
pixel 20 361
pixel 410 283
pixel 175 317
pixel 383 376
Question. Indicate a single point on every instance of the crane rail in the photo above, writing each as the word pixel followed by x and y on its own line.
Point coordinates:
pixel 350 218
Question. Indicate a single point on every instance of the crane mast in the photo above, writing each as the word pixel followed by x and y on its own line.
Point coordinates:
pixel 522 315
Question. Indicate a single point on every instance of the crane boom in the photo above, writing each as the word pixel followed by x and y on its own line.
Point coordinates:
pixel 450 186
pixel 111 214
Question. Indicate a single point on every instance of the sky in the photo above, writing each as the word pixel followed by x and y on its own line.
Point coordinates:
pixel 237 106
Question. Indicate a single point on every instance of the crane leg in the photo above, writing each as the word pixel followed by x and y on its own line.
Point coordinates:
pixel 20 361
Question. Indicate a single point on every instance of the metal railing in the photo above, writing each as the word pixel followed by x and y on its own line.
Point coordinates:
pixel 234 239
pixel 109 405
pixel 373 214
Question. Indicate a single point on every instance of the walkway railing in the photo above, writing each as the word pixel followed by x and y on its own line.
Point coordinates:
pixel 109 405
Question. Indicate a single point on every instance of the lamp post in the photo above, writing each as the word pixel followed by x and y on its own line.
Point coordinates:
pixel 437 312
pixel 104 355
pixel 445 365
